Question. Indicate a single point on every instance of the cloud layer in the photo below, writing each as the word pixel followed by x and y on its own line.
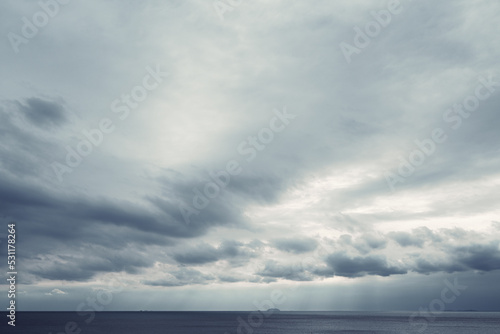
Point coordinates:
pixel 263 157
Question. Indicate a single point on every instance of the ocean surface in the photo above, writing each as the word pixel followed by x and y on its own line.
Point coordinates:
pixel 273 322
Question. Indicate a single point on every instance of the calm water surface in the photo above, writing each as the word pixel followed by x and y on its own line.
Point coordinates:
pixel 251 323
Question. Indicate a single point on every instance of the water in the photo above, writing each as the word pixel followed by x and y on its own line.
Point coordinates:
pixel 250 323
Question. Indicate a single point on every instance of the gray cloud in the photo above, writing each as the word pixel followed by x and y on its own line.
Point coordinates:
pixel 368 242
pixel 43 113
pixel 479 257
pixel 199 255
pixel 204 253
pixel 430 266
pixel 358 266
pixel 296 245
pixel 91 261
pixel 183 276
pixel 291 272
pixel 406 239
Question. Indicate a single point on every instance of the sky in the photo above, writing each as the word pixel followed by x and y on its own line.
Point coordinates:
pixel 241 155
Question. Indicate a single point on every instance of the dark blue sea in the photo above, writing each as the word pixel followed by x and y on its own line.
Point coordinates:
pixel 272 322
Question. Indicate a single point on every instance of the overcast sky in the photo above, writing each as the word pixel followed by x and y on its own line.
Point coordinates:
pixel 203 154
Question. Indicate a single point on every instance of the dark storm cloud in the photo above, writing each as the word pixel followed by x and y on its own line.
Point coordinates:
pixel 43 113
pixel 358 266
pixel 79 220
pixel 24 200
pixel 449 257
pixel 479 257
pixel 295 245
pixel 16 195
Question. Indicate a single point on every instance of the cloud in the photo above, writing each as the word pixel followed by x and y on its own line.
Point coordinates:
pixel 25 152
pixel 293 272
pixel 344 222
pixel 55 292
pixel 229 279
pixel 199 255
pixel 43 113
pixel 183 276
pixel 205 253
pixel 82 268
pixel 358 266
pixel 479 257
pixel 406 239
pixel 296 245
pixel 368 242
pixel 430 266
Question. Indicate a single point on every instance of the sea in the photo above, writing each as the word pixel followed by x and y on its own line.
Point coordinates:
pixel 255 322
